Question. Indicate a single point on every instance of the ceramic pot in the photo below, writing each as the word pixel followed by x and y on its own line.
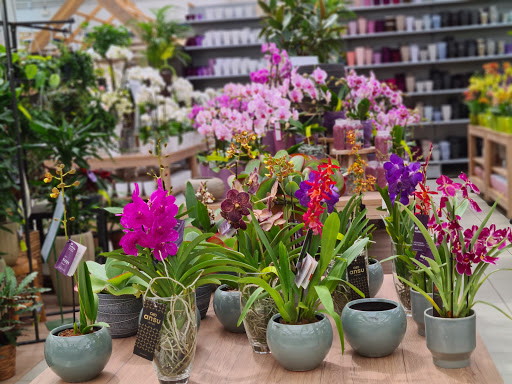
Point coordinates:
pixel 10 243
pixel 418 306
pixel 203 296
pixel 374 327
pixel 215 186
pixel 451 341
pixel 299 347
pixel 375 276
pixel 226 304
pixel 120 312
pixel 77 359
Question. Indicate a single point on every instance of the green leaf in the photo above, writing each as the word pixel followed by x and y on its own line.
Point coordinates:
pixel 114 210
pixel 31 71
pixel 249 304
pixel 54 81
pixel 325 297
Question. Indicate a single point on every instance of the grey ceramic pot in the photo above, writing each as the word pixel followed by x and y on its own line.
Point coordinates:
pixel 203 296
pixel 78 358
pixel 418 306
pixel 374 327
pixel 375 276
pixel 226 304
pixel 120 312
pixel 299 347
pixel 451 341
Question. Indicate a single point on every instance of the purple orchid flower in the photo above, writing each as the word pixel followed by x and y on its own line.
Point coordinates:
pixel 402 179
pixel 302 194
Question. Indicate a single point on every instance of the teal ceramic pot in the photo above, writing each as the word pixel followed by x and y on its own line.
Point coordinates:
pixel 374 327
pixel 120 312
pixel 375 276
pixel 418 306
pixel 78 358
pixel 226 304
pixel 451 341
pixel 299 347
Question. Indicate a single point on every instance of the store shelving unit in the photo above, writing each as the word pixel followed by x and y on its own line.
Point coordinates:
pixel 487 161
pixel 439 130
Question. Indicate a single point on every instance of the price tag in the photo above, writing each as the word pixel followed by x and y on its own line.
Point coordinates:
pixel 357 273
pixel 148 334
pixel 70 257
pixel 277 131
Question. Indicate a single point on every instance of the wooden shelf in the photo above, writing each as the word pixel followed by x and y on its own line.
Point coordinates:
pixel 349 152
pixel 491 139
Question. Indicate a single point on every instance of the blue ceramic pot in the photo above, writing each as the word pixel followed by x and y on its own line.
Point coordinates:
pixel 418 306
pixel 374 327
pixel 375 276
pixel 451 341
pixel 226 304
pixel 77 359
pixel 299 347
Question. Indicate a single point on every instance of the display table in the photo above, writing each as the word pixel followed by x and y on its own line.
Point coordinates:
pixel 224 357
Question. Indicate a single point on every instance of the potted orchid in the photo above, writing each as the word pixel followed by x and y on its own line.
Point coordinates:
pixel 172 260
pixel 460 259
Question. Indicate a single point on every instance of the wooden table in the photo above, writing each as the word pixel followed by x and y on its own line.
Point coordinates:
pixel 224 357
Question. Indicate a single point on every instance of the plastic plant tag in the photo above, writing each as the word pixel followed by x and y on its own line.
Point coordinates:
pixel 419 243
pixel 357 273
pixel 150 326
pixel 304 269
pixel 277 131
pixel 312 267
pixel 70 257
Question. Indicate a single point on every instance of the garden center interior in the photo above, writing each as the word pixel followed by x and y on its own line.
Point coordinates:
pixel 255 191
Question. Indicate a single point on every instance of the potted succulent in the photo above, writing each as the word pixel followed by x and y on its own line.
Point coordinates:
pixel 300 335
pixel 119 297
pixel 460 258
pixel 172 264
pixel 15 300
pixel 77 352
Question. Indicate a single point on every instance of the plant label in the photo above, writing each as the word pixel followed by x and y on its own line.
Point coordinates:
pixel 150 325
pixel 305 271
pixel 357 273
pixel 419 243
pixel 70 257
pixel 54 227
pixel 277 131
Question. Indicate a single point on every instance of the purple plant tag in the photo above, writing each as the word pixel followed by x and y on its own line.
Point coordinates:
pixel 180 228
pixel 69 258
pixel 418 240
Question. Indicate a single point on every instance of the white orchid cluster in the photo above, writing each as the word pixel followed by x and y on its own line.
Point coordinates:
pixel 118 100
pixel 116 52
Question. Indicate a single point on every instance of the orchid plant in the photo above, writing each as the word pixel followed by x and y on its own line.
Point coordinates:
pixel 460 256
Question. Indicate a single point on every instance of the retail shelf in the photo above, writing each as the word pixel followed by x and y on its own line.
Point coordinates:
pixel 462 28
pixel 434 62
pixel 439 123
pixel 392 7
pixel 217 77
pixel 237 46
pixel 436 92
pixel 450 161
pixel 224 21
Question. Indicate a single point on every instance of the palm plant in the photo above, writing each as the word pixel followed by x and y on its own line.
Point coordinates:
pixel 163 37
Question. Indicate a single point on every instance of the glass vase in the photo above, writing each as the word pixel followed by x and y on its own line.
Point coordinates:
pixel 258 316
pixel 176 349
pixel 400 268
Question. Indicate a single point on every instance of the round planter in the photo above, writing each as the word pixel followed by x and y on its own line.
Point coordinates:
pixel 375 276
pixel 10 243
pixel 215 186
pixel 374 327
pixel 7 361
pixel 418 306
pixel 451 341
pixel 203 296
pixel 299 347
pixel 226 305
pixel 78 358
pixel 120 312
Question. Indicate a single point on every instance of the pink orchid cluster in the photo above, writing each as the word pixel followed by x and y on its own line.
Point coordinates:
pixel 150 224
pixel 278 66
pixel 251 108
pixel 386 105
pixel 445 223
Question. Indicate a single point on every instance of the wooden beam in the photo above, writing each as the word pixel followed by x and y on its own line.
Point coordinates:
pixel 66 11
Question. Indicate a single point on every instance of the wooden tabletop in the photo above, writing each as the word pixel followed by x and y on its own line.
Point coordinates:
pixel 224 357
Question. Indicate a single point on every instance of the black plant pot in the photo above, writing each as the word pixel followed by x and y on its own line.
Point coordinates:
pixel 203 296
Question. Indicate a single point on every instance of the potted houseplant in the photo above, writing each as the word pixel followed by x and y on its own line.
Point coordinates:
pixel 119 297
pixel 306 27
pixel 15 300
pixel 172 264
pixel 77 352
pixel 300 336
pixel 457 269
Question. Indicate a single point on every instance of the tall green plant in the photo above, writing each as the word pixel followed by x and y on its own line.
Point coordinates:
pixel 103 36
pixel 306 27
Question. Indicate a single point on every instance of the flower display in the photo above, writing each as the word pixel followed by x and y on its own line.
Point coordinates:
pixel 235 207
pixel 116 52
pixel 150 224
